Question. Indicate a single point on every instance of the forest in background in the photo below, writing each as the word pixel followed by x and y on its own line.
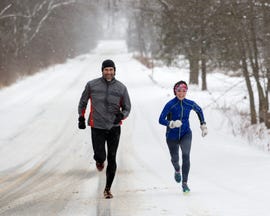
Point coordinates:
pixel 230 35
pixel 37 34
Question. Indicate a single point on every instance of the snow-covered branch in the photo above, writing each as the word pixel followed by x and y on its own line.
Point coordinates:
pixel 34 17
pixel 52 5
pixel 13 15
pixel 4 16
pixel 5 9
pixel 165 4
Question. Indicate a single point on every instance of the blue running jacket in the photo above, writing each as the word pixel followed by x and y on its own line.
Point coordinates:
pixel 179 109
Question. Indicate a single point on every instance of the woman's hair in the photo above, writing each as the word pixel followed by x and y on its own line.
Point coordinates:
pixel 176 85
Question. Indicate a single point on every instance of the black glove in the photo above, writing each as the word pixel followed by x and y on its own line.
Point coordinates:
pixel 118 117
pixel 81 124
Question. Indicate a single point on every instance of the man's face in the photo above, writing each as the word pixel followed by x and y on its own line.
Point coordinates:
pixel 108 73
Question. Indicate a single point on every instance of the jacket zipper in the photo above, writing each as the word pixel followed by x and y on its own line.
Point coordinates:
pixel 107 95
pixel 181 116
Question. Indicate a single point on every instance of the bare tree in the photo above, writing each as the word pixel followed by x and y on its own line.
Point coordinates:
pixel 35 34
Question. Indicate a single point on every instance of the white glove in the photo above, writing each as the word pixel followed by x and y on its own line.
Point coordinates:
pixel 204 130
pixel 175 124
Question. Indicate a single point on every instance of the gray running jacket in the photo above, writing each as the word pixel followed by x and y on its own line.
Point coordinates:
pixel 106 99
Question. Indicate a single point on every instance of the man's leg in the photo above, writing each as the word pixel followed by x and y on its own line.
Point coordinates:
pixel 112 146
pixel 98 143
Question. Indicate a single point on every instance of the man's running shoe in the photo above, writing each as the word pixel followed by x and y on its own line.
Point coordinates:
pixel 100 166
pixel 107 194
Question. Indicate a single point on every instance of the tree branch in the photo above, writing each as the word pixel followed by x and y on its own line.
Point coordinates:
pixel 51 7
pixel 2 16
pixel 5 9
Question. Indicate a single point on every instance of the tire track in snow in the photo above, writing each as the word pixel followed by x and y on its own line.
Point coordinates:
pixel 42 188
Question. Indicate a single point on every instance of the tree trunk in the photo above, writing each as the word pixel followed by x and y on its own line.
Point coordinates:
pixel 266 57
pixel 203 50
pixel 268 80
pixel 267 120
pixel 239 36
pixel 253 57
pixel 203 67
pixel 193 58
pixel 250 92
pixel 140 37
pixel 266 43
pixel 194 70
pixel 247 79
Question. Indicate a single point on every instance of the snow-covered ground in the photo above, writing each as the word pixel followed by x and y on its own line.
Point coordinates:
pixel 46 164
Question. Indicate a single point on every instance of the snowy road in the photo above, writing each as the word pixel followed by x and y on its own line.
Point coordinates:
pixel 46 165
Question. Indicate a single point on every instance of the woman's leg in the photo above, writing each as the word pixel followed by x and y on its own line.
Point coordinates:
pixel 185 144
pixel 173 146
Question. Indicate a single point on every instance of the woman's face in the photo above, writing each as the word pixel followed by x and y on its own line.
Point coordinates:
pixel 181 93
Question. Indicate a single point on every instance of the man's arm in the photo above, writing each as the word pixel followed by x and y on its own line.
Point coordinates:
pixel 84 100
pixel 126 104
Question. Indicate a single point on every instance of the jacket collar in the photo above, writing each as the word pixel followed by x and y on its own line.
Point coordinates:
pixel 108 82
